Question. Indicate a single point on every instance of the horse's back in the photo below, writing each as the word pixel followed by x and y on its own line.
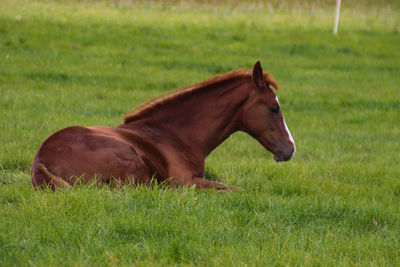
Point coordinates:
pixel 87 152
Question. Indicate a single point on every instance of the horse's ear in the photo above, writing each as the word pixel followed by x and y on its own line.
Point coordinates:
pixel 258 76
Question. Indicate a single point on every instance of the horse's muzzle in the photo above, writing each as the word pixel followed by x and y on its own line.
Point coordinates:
pixel 282 156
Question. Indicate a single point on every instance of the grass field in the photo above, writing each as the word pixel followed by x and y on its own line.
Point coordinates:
pixel 335 203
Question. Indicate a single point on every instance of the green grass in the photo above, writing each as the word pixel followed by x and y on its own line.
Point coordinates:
pixel 86 63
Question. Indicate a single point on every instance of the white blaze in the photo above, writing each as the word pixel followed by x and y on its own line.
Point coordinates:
pixel 287 129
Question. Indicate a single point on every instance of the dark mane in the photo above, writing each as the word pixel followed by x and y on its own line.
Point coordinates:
pixel 153 104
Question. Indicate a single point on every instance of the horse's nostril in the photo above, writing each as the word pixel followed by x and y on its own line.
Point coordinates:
pixel 280 155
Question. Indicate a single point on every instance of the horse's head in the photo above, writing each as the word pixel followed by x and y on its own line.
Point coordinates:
pixel 263 119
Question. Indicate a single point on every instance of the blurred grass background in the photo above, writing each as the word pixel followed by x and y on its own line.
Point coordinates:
pixel 68 63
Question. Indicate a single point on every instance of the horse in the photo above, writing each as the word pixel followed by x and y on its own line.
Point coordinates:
pixel 169 138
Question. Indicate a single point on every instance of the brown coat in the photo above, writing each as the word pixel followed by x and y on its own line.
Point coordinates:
pixel 168 138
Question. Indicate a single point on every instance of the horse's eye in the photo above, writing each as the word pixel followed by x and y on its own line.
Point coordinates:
pixel 274 109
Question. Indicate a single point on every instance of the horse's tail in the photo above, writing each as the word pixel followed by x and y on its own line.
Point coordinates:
pixel 41 178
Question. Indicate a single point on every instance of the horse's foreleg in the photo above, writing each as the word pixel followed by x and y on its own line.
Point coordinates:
pixel 204 183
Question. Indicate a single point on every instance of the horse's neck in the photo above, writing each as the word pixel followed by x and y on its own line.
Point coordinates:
pixel 203 120
pixel 214 118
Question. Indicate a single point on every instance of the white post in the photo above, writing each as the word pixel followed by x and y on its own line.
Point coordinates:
pixel 337 17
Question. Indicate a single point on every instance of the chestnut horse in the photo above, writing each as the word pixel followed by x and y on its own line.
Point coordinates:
pixel 169 137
